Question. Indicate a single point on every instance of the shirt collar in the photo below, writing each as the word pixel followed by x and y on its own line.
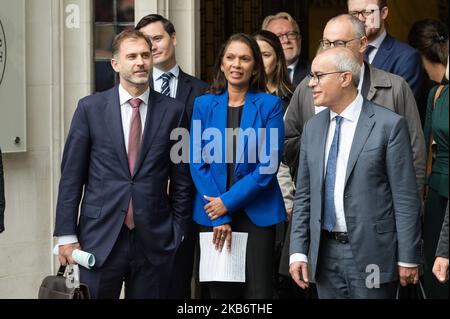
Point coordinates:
pixel 352 111
pixel 377 42
pixel 124 96
pixel 293 65
pixel 157 72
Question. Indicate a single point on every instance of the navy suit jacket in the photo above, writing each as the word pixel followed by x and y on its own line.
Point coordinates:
pixel 301 70
pixel 399 58
pixel 95 161
pixel 256 191
pixel 188 89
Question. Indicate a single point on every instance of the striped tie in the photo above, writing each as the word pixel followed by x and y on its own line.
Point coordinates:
pixel 165 87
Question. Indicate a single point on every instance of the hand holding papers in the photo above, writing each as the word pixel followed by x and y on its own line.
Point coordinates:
pixel 227 265
pixel 81 257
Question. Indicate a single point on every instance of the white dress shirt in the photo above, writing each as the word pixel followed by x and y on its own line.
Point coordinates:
pixel 376 44
pixel 173 83
pixel 125 112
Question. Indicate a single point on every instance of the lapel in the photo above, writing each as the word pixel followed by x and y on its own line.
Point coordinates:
pixel 362 132
pixel 323 127
pixel 150 82
pixel 184 87
pixel 113 123
pixel 378 79
pixel 248 119
pixel 365 90
pixel 219 122
pixel 155 115
pixel 383 52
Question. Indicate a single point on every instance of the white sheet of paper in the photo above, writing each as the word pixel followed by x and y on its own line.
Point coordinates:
pixel 227 265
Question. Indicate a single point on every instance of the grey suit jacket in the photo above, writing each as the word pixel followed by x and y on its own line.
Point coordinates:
pixel 442 248
pixel 381 201
pixel 380 87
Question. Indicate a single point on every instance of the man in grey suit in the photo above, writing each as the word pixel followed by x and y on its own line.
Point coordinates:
pixel 356 209
pixel 376 85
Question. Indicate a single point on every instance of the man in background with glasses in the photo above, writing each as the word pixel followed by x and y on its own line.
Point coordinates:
pixel 356 225
pixel 380 87
pixel 288 31
pixel 385 52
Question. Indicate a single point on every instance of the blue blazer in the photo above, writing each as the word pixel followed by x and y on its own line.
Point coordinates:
pixel 399 58
pixel 256 188
pixel 95 174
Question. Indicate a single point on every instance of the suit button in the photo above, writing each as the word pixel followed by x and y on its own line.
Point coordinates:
pixel 132 182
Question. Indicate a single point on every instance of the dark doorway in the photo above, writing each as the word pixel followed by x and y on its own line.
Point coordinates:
pixel 220 19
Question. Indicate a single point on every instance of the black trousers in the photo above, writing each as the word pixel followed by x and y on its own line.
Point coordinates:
pixel 258 265
pixel 127 263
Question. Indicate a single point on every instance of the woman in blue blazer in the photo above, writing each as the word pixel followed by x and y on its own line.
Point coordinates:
pixel 235 175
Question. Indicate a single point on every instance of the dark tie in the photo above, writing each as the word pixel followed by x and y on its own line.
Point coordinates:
pixel 329 210
pixel 291 77
pixel 369 49
pixel 165 87
pixel 134 143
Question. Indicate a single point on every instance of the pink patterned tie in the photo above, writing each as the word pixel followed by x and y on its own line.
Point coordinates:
pixel 134 143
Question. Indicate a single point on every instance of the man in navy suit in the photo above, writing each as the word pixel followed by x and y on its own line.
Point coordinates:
pixel 182 86
pixel 170 80
pixel 385 52
pixel 117 156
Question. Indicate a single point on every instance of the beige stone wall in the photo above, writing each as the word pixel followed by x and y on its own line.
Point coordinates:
pixel 58 67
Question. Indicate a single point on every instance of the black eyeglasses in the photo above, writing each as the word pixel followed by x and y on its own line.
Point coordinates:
pixel 365 13
pixel 316 76
pixel 291 35
pixel 326 44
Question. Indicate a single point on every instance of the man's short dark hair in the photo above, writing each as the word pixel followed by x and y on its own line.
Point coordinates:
pixel 152 18
pixel 128 33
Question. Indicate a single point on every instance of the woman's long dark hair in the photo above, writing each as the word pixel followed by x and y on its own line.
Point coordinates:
pixel 258 79
pixel 430 38
pixel 280 77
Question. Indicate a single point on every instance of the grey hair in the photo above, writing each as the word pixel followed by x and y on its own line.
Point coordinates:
pixel 347 62
pixel 358 26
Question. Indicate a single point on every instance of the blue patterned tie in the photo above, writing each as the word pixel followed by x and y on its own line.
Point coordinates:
pixel 329 210
pixel 165 87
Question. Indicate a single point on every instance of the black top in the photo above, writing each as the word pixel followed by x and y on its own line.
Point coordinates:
pixel 2 195
pixel 233 121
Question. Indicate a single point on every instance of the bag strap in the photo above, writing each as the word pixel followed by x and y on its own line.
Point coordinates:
pixel 430 141
pixel 61 270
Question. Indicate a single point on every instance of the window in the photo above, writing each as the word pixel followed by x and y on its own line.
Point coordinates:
pixel 111 17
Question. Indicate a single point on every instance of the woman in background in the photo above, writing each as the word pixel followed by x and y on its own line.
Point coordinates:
pixel 430 38
pixel 278 85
